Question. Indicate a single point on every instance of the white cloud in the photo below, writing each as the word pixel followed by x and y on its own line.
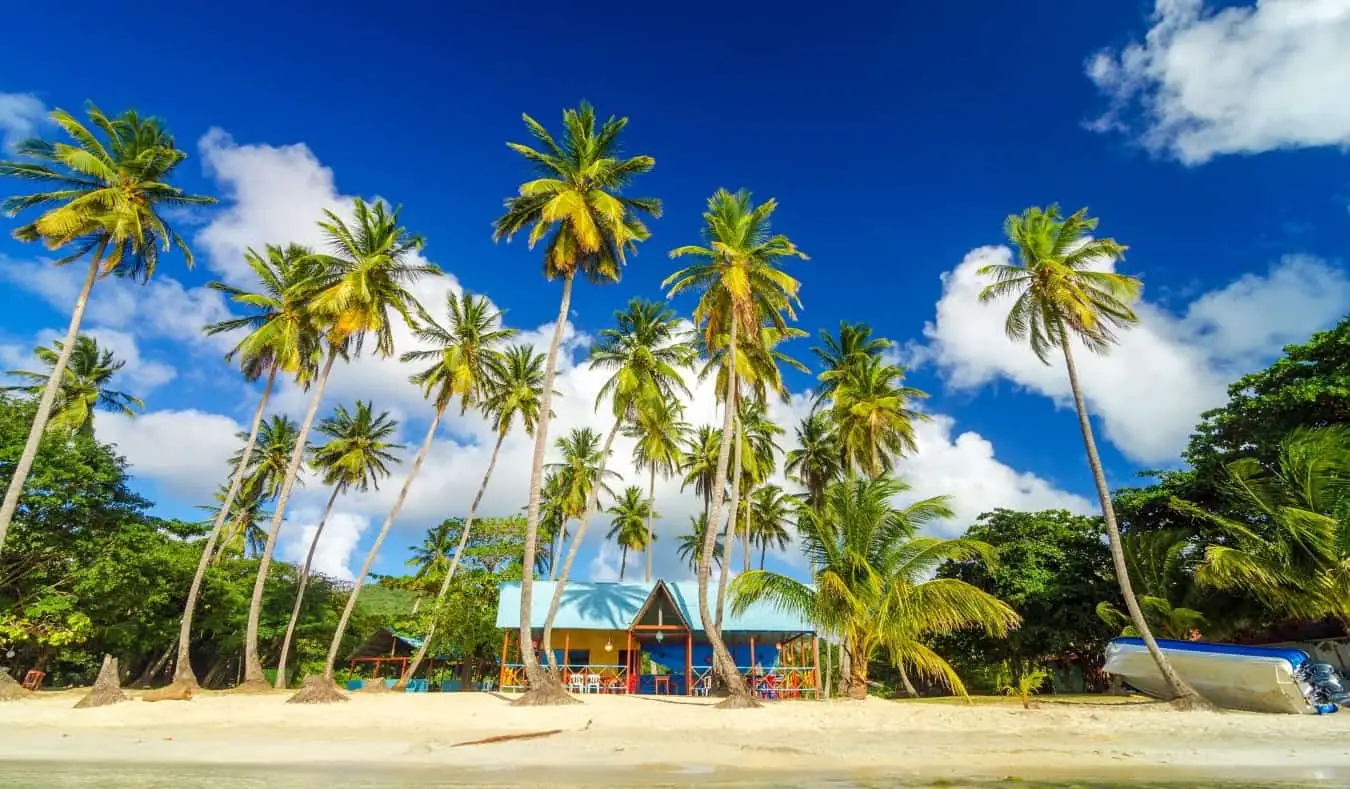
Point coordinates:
pixel 334 554
pixel 185 452
pixel 1244 79
pixel 1150 390
pixel 20 116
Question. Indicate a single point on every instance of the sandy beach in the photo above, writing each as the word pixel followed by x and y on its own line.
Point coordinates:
pixel 607 738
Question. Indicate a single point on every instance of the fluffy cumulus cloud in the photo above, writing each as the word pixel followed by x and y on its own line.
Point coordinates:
pixel 185 452
pixel 1242 79
pixel 1150 390
pixel 336 549
pixel 20 116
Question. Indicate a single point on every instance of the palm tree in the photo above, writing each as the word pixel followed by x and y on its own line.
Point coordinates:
pixel 690 545
pixel 84 386
pixel 366 280
pixel 1292 555
pixel 241 531
pixel 357 455
pixel 872 420
pixel 514 390
pixel 1162 565
pixel 699 465
pixel 874 580
pixel 740 289
pixel 580 471
pixel 265 469
pixel 576 208
pixel 1059 295
pixel 772 510
pixel 659 433
pixel 431 559
pixel 277 338
pixel 632 512
pixel 553 519
pixel 756 460
pixel 837 354
pixel 817 460
pixel 106 202
pixel 646 352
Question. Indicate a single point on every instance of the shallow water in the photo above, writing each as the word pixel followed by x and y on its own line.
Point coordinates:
pixel 47 775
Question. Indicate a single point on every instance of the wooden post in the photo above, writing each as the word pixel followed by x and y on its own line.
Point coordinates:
pixel 689 663
pixel 501 666
pixel 628 667
pixel 753 675
pixel 567 647
pixel 815 649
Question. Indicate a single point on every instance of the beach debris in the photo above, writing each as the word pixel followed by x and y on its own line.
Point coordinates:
pixel 175 692
pixel 318 689
pixel 10 690
pixel 531 735
pixel 107 688
pixel 376 685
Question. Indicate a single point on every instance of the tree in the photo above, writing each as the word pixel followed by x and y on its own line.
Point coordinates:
pixel 838 355
pixel 241 532
pixel 278 338
pixel 659 432
pixel 84 386
pixel 873 580
pixel 690 545
pixel 581 470
pixel 106 202
pixel 699 464
pixel 576 207
pixel 817 460
pixel 646 353
pixel 873 421
pixel 628 529
pixel 366 281
pixel 771 512
pixel 740 287
pixel 431 559
pixel 357 455
pixel 1059 296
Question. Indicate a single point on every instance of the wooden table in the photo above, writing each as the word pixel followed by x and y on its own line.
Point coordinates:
pixel 661 684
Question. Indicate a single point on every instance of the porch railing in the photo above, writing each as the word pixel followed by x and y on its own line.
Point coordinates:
pixel 778 682
pixel 589 678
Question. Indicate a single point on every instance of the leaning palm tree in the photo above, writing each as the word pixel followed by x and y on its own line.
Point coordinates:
pixel 874 580
pixel 741 288
pixel 241 530
pixel 84 387
pixel 628 529
pixel 699 464
pixel 1059 295
pixel 277 338
pixel 575 207
pixel 581 470
pixel 358 453
pixel 772 510
pixel 368 272
pixel 106 199
pixel 513 390
pixel 659 433
pixel 646 353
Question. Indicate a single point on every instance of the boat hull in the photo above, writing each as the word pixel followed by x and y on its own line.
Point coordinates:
pixel 1258 679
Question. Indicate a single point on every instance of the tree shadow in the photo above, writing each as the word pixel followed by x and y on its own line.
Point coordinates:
pixel 610 605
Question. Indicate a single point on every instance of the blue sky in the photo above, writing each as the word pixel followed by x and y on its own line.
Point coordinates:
pixel 896 142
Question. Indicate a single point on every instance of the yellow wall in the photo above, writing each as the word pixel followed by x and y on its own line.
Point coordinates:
pixel 594 641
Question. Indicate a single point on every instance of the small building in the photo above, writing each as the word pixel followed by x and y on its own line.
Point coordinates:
pixel 648 638
pixel 385 655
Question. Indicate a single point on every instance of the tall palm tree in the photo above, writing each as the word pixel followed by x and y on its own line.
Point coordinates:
pixel 873 581
pixel 580 471
pixel 265 469
pixel 432 558
pixel 241 532
pixel 699 464
pixel 689 546
pixel 277 337
pixel 576 207
pixel 871 414
pixel 357 455
pixel 1162 565
pixel 632 512
pixel 817 460
pixel 553 520
pixel 772 510
pixel 741 288
pixel 757 460
pixel 659 434
pixel 105 202
pixel 646 352
pixel 837 354
pixel 463 354
pixel 367 274
pixel 1059 295
pixel 84 386
pixel 514 390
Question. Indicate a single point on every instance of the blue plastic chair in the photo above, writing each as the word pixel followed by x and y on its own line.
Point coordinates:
pixel 355 684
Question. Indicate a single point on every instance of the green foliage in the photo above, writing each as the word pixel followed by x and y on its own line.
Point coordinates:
pixel 84 385
pixel 1026 686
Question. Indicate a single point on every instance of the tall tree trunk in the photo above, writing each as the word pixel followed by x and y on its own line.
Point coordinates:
pixel 722 662
pixel 300 590
pixel 905 683
pixel 555 548
pixel 183 673
pixel 729 537
pixel 572 550
pixel 857 674
pixel 374 551
pixel 845 664
pixel 763 549
pixel 1183 694
pixel 828 679
pixel 543 688
pixel 746 547
pixel 44 406
pixel 651 509
pixel 623 562
pixel 454 565
pixel 253 670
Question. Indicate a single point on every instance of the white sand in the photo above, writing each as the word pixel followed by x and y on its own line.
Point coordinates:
pixel 872 738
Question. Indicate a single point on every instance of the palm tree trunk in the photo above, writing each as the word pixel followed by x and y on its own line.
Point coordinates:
pixel 905 683
pixel 857 674
pixel 374 551
pixel 253 670
pixel 1183 694
pixel 183 674
pixel 454 565
pixel 555 548
pixel 763 549
pixel 729 548
pixel 722 662
pixel 746 548
pixel 44 406
pixel 651 509
pixel 572 550
pixel 300 590
pixel 623 562
pixel 542 687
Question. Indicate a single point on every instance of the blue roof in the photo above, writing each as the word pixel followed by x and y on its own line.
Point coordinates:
pixel 614 606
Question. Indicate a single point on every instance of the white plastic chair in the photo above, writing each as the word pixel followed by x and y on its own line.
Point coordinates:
pixel 592 683
pixel 574 684
pixel 703 686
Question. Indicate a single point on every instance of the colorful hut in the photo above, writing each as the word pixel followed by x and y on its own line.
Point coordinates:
pixel 647 638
